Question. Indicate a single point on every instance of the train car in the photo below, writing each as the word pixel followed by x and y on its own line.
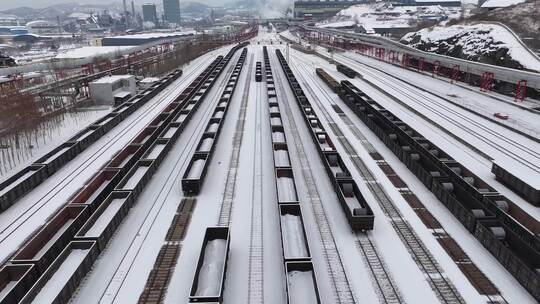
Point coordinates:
pixel 195 173
pixel 97 189
pixel 52 238
pixel 523 224
pixel 58 157
pixel 510 250
pixel 476 187
pixel 105 220
pixel 108 122
pixel 293 233
pixel 519 182
pixel 329 80
pixel 285 186
pixel 209 279
pixel 63 276
pixel 346 70
pixel 15 281
pixel 457 199
pixel 301 283
pixel 157 151
pixel 87 136
pixel 354 205
pixel 19 184
pixel 137 177
pixel 258 72
pixel 508 232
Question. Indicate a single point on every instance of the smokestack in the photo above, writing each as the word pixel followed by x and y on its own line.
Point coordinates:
pixel 125 7
pixel 132 9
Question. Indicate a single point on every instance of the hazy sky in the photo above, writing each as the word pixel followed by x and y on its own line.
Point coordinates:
pixel 44 3
pixel 7 4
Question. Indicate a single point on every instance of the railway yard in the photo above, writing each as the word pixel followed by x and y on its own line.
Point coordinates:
pixel 261 173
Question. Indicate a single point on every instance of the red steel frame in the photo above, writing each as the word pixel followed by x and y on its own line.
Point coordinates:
pixel 455 73
pixel 521 90
pixel 487 81
pixel 436 68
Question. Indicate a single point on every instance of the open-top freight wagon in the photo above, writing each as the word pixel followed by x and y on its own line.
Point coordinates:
pixel 357 210
pixel 499 224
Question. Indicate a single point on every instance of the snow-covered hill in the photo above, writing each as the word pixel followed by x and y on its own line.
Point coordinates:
pixel 385 15
pixel 488 43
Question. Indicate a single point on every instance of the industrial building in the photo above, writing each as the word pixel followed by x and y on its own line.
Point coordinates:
pixel 139 39
pixel 171 11
pixel 111 89
pixel 149 13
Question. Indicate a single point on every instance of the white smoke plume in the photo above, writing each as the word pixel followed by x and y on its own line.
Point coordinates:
pixel 275 8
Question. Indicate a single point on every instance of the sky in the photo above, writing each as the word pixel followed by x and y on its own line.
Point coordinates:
pixel 7 4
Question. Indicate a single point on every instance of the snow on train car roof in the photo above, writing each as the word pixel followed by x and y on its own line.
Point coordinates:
pixel 520 171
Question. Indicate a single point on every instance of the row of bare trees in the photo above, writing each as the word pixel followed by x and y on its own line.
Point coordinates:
pixel 26 122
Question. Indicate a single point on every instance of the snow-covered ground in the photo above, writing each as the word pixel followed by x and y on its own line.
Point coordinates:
pixel 119 275
pixel 93 51
pixel 385 15
pixel 36 143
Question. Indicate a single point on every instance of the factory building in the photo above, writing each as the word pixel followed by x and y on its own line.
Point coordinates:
pixel 143 38
pixel 111 90
pixel 171 11
pixel 150 13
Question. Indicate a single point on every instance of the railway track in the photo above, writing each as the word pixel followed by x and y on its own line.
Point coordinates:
pixel 341 288
pixel 441 285
pixel 224 218
pixel 469 269
pixel 427 101
pixel 385 286
pixel 256 250
pixel 15 225
pixel 116 282
pixel 164 266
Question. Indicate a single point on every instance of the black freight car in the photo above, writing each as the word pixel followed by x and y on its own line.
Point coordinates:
pixel 209 279
pixel 329 80
pixel 520 182
pixel 469 198
pixel 346 70
pixel 258 72
pixel 353 203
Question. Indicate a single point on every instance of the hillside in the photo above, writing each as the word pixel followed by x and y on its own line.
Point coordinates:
pixel 487 43
pixel 522 18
